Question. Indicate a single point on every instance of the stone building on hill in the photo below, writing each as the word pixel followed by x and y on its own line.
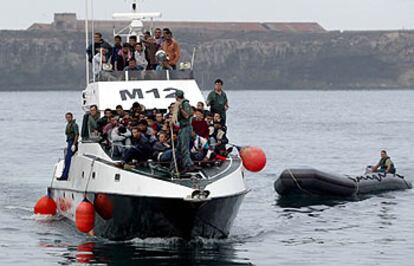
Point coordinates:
pixel 69 22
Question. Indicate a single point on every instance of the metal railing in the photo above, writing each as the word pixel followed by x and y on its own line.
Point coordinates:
pixel 104 76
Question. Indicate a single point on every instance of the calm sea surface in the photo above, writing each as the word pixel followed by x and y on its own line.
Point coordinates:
pixel 339 131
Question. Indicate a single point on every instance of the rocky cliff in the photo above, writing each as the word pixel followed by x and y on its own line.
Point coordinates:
pixel 40 60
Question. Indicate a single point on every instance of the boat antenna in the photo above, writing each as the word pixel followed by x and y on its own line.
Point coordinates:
pixel 86 42
pixel 92 37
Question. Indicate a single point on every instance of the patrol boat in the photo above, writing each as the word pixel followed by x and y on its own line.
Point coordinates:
pixel 145 201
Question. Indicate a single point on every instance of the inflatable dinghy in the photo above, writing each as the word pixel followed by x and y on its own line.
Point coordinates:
pixel 314 182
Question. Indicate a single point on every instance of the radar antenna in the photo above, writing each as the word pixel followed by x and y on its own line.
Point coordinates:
pixel 136 19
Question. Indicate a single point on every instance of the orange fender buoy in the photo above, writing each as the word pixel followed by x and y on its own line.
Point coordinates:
pixel 103 206
pixel 254 159
pixel 85 216
pixel 45 206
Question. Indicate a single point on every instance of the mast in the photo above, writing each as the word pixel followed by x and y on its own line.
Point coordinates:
pixel 93 40
pixel 86 42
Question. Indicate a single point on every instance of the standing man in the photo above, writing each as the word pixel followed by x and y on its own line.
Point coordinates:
pixel 92 121
pixel 150 49
pixel 139 56
pixel 115 50
pixel 217 100
pixel 72 136
pixel 171 47
pixel 158 38
pixel 99 43
pixel 182 114
pixel 132 41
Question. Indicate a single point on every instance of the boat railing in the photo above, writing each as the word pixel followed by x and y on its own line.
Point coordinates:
pixel 105 76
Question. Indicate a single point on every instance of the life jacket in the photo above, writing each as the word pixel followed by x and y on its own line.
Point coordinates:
pixel 383 167
pixel 70 134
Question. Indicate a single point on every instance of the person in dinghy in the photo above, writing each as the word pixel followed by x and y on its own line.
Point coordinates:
pixel 385 165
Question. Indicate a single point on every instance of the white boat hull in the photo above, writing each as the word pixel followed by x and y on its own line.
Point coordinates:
pixel 145 206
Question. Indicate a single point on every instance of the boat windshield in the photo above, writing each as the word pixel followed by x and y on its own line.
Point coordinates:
pixel 144 75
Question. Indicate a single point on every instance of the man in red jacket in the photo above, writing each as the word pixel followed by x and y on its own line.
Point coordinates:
pixel 200 126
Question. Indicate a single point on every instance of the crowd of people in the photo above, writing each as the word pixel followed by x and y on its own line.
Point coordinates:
pixel 138 134
pixel 145 52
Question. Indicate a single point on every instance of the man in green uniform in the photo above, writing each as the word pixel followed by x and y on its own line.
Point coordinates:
pixel 385 164
pixel 72 135
pixel 183 114
pixel 93 118
pixel 217 100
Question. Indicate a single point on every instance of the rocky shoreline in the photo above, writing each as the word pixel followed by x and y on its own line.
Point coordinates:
pixel 332 60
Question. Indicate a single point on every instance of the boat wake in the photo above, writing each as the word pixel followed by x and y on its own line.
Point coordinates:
pixel 20 208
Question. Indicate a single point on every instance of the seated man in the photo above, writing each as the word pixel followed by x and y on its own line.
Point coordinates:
pixel 159 121
pixel 162 149
pixel 162 61
pixel 200 150
pixel 124 55
pixel 385 164
pixel 200 105
pixel 120 112
pixel 119 138
pixel 102 61
pixel 132 65
pixel 116 134
pixel 200 126
pixel 105 120
pixel 209 118
pixel 106 131
pixel 139 56
pixel 151 124
pixel 218 139
pixel 140 148
pixel 147 131
pixel 136 108
pixel 217 118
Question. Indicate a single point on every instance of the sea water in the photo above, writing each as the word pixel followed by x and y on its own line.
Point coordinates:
pixel 339 131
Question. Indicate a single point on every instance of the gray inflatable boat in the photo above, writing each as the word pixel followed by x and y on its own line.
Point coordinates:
pixel 314 182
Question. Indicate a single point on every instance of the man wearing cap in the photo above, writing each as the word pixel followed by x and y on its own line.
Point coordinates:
pixel 182 114
pixel 217 100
